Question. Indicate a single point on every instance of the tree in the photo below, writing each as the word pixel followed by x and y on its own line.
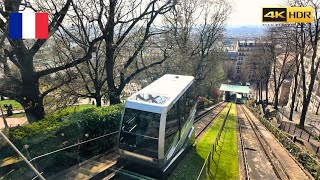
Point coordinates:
pixel 126 27
pixel 258 67
pixel 298 39
pixel 197 29
pixel 311 31
pixel 90 76
pixel 22 53
pixel 280 37
pixel 229 69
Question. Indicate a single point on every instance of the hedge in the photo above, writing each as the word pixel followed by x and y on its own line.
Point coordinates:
pixel 64 129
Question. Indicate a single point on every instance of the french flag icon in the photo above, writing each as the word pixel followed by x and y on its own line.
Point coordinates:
pixel 28 25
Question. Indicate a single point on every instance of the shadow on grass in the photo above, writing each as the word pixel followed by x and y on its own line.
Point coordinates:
pixel 190 166
pixel 215 156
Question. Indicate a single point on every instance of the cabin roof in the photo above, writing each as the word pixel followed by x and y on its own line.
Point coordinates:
pixel 161 94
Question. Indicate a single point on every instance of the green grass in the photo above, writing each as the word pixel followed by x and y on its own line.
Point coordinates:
pixel 227 167
pixel 81 107
pixel 74 108
pixel 228 160
pixel 17 115
pixel 70 110
pixel 15 104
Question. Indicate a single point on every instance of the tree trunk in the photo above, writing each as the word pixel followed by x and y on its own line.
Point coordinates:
pixel 97 95
pixel 296 108
pixel 294 93
pixel 114 97
pixel 32 102
pixel 29 95
pixel 304 112
pixel 35 112
pixel 267 90
pixel 318 109
pixel 276 99
pixel 257 90
pixel 98 98
pixel 306 102
pixel 260 93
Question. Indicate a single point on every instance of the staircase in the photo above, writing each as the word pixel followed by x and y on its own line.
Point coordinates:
pixel 88 169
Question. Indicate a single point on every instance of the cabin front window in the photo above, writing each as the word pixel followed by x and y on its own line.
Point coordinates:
pixel 140 132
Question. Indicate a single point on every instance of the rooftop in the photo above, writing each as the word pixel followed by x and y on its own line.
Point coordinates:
pixel 234 88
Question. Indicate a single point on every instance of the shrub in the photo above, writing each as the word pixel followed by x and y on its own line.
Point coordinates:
pixel 64 129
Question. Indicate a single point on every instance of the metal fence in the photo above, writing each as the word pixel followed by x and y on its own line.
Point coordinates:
pixel 292 129
pixel 309 163
pixel 37 163
pixel 213 156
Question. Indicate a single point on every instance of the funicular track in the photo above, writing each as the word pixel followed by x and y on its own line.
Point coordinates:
pixel 124 170
pixel 202 122
pixel 255 151
pixel 205 113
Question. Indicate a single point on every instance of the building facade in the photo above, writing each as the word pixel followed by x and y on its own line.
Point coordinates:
pixel 244 49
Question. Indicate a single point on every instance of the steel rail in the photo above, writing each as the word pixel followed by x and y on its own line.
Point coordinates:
pixel 199 117
pixel 245 159
pixel 264 148
pixel 212 119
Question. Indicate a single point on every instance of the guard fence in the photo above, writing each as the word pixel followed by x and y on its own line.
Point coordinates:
pixel 206 167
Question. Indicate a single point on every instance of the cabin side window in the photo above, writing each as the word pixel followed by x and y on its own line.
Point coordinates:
pixel 183 110
pixel 172 132
pixel 190 100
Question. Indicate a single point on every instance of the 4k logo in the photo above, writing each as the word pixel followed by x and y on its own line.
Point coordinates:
pixel 274 15
pixel 289 14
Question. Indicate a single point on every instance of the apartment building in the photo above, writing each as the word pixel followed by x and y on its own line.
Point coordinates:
pixel 244 49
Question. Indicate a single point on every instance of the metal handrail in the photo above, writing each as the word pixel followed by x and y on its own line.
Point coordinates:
pixel 83 142
pixel 22 156
pixel 140 135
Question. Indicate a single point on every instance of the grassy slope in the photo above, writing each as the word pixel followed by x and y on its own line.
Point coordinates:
pixel 228 164
pixel 15 104
pixel 190 166
pixel 80 107
pixel 18 115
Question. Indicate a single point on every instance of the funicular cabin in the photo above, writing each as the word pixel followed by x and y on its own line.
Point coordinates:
pixel 235 93
pixel 157 124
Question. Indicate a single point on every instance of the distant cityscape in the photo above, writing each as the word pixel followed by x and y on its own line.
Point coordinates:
pixel 244 32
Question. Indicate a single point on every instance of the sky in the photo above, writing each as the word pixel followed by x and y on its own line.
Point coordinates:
pixel 249 12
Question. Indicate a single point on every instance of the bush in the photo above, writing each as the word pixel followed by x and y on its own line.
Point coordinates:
pixel 67 128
